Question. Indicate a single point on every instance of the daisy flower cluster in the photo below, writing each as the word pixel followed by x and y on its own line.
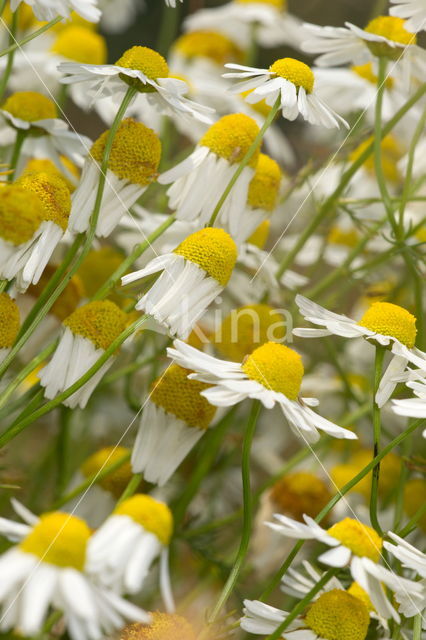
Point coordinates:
pixel 212 320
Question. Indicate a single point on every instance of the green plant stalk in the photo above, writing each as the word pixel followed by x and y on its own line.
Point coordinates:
pixel 11 407
pixel 377 426
pixel 124 371
pixel 417 627
pixel 48 625
pixel 63 450
pixel 22 422
pixel 35 34
pixel 412 523
pixel 336 498
pixel 11 54
pixel 21 134
pixel 244 162
pixel 332 199
pixel 2 7
pixel 247 516
pixel 131 488
pixel 403 476
pixel 169 28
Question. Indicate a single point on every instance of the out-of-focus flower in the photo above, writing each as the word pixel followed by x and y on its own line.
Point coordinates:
pixel 390 468
pixel 118 15
pixel 163 626
pixel 50 9
pixel 414 559
pixel 9 324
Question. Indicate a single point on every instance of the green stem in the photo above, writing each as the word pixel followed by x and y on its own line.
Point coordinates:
pixel 21 134
pixel 302 604
pixel 378 364
pixel 247 517
pixel 63 450
pixel 2 6
pixel 48 625
pixel 11 54
pixel 169 28
pixel 417 627
pixel 412 523
pixel 30 37
pixel 131 488
pixel 248 156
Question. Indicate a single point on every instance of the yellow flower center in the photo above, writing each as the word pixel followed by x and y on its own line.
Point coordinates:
pixel 277 368
pixel 337 615
pixel 265 184
pixel 30 106
pixel 246 328
pixel 69 298
pixel 346 238
pixel 58 539
pixel 114 482
pixel 391 154
pixel 358 592
pixel 231 137
pixel 366 71
pixel 414 498
pixel 164 626
pixel 391 320
pixel 390 468
pixel 53 193
pixel 97 267
pixel 37 165
pixel 208 44
pixel 135 154
pixel 279 4
pixel 9 321
pixel 300 492
pixel 21 213
pixel 393 29
pixel 101 322
pixel 180 396
pixel 81 44
pixel 361 539
pixel 378 292
pixel 260 235
pixel 151 63
pixel 152 515
pixel 294 71
pixel 213 250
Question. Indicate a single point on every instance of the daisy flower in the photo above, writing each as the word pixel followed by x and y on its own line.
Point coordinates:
pixel 291 80
pixel 33 218
pixel 414 11
pixel 200 180
pixel 88 332
pixel 414 559
pixel 384 323
pixel 132 166
pixel 145 70
pixel 193 275
pixel 46 136
pixel 173 420
pixel 357 546
pixel 51 9
pixel 48 568
pixel 273 374
pixel 122 550
pixel 163 626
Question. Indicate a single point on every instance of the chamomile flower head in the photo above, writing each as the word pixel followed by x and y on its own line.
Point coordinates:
pixel 69 299
pixel 207 45
pixel 80 44
pixel 123 549
pixel 29 107
pixel 300 492
pixel 413 11
pixel 69 172
pixel 88 332
pixel 164 626
pixel 273 374
pixel 199 181
pixel 9 323
pixel 147 72
pixel 47 568
pixel 173 420
pixel 192 277
pixel 51 9
pixel 290 81
pixel 132 166
pixel 33 218
pixel 385 323
pixel 115 482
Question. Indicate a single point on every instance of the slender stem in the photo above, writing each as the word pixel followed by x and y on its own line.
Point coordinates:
pixel 247 516
pixel 302 604
pixel 11 54
pixel 417 626
pixel 3 285
pixel 169 28
pixel 21 134
pixel 30 37
pixel 2 6
pixel 49 624
pixel 378 364
pixel 63 450
pixel 131 488
pixel 248 156
pixel 412 523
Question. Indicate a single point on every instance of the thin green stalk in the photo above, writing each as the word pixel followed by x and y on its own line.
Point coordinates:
pixel 11 407
pixel 248 156
pixel 48 625
pixel 403 476
pixel 21 134
pixel 417 627
pixel 31 36
pixel 3 285
pixel 2 7
pixel 377 426
pixel 131 488
pixel 169 28
pixel 302 604
pixel 9 64
pixel 276 579
pixel 247 517
pixel 412 523
pixel 63 450
pixel 124 371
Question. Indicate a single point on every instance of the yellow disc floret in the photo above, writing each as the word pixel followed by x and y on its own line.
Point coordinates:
pixel 30 106
pixel 392 29
pixel 36 165
pixel 344 237
pixel 135 153
pixel 391 320
pixel 279 4
pixel 337 615
pixel 59 539
pixel 180 396
pixel 246 328
pixel 67 302
pixel 213 250
pixel 208 44
pixel 81 44
pixel 294 71
pixel 231 137
pixel 9 320
pixel 152 515
pixel 277 368
pixel 101 322
pixel 114 482
pixel 265 184
pixel 151 63
pixel 300 492
pixel 54 194
pixel 21 214
pixel 164 626
pixel 260 235
pixel 361 539
pixel 358 592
